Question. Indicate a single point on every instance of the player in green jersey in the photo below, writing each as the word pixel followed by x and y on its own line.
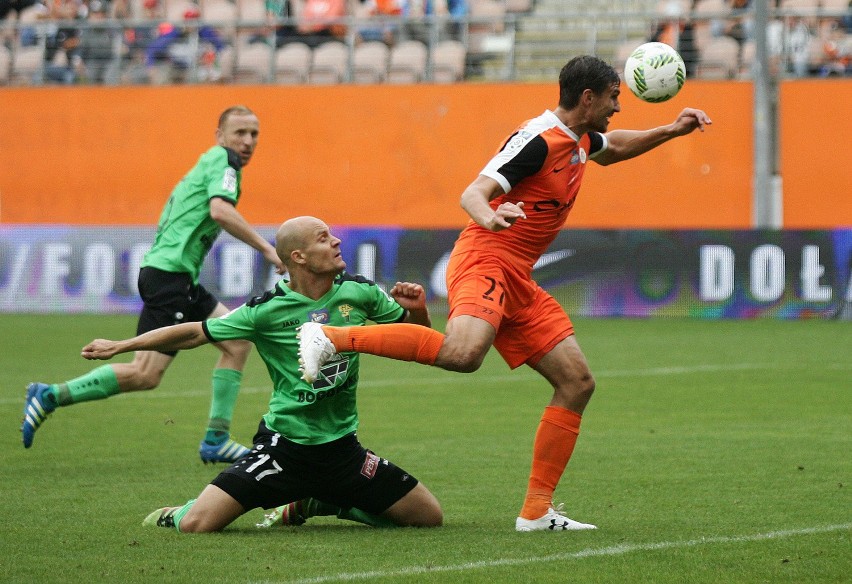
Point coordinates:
pixel 306 458
pixel 200 207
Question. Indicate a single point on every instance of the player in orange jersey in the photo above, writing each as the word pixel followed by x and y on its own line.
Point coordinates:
pixel 517 206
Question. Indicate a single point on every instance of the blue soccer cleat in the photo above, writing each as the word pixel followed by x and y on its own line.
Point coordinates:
pixel 36 410
pixel 227 451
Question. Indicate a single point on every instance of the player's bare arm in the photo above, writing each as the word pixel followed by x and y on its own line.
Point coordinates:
pixel 226 215
pixel 412 297
pixel 187 335
pixel 475 199
pixel 627 144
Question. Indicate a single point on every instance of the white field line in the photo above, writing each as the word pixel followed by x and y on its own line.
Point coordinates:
pixel 507 377
pixel 578 555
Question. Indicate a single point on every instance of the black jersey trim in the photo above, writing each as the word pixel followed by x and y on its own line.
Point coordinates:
pixel 357 278
pixel 207 332
pixel 596 142
pixel 234 160
pixel 267 296
pixel 527 162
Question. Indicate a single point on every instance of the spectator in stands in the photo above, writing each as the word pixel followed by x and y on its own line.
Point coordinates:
pixel 280 27
pixel 317 22
pixel 676 30
pixel 419 28
pixel 62 41
pixel 172 55
pixel 386 31
pixel 836 56
pixel 95 60
pixel 138 37
pixel 740 24
pixel 788 43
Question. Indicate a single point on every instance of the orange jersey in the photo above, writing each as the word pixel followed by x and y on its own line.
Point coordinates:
pixel 541 164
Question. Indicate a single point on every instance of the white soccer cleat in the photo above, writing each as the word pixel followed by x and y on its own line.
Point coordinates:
pixel 314 350
pixel 553 520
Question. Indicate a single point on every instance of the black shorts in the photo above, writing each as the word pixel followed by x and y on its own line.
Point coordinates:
pixel 171 298
pixel 343 473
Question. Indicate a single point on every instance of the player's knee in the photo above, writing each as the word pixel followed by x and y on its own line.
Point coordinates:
pixel 461 359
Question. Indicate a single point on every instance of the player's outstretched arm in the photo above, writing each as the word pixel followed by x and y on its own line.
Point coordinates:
pixel 171 338
pixel 627 144
pixel 226 215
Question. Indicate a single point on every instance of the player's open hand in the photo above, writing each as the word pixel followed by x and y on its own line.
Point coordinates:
pixel 505 216
pixel 691 119
pixel 100 349
pixel 409 296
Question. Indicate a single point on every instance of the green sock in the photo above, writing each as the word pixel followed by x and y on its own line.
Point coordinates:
pixel 178 515
pixel 98 383
pixel 354 514
pixel 226 387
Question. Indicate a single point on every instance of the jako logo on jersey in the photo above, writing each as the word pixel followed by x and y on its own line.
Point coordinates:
pixel 345 310
pixel 229 181
pixel 318 316
pixel 289 323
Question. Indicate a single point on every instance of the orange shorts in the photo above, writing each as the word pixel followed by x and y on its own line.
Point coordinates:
pixel 529 321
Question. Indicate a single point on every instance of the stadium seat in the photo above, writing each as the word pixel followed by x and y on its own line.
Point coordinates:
pixel 702 26
pixel 222 14
pixel 407 62
pixel 492 24
pixel 253 63
pixel 370 62
pixel 622 52
pixel 719 59
pixel 329 64
pixel 5 65
pixel 251 10
pixel 176 8
pixel 27 62
pixel 448 61
pixel 293 63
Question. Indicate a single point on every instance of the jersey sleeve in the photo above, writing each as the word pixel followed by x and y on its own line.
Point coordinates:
pixel 384 308
pixel 237 324
pixel 597 144
pixel 522 155
pixel 223 177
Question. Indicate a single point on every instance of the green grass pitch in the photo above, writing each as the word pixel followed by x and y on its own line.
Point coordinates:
pixel 711 452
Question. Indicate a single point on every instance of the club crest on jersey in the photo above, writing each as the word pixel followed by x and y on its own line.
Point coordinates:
pixel 229 181
pixel 345 311
pixel 320 316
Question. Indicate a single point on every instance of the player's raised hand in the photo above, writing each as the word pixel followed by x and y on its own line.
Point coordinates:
pixel 691 119
pixel 409 296
pixel 101 349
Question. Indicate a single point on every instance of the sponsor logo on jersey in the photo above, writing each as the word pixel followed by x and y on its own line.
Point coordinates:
pixel 345 310
pixel 289 323
pixel 229 181
pixel 320 316
pixel 371 463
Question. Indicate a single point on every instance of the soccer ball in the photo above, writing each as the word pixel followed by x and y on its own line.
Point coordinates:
pixel 654 72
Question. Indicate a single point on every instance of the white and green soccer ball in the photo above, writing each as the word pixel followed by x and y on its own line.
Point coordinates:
pixel 654 72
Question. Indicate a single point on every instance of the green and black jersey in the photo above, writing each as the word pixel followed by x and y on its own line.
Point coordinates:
pixel 299 411
pixel 186 232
